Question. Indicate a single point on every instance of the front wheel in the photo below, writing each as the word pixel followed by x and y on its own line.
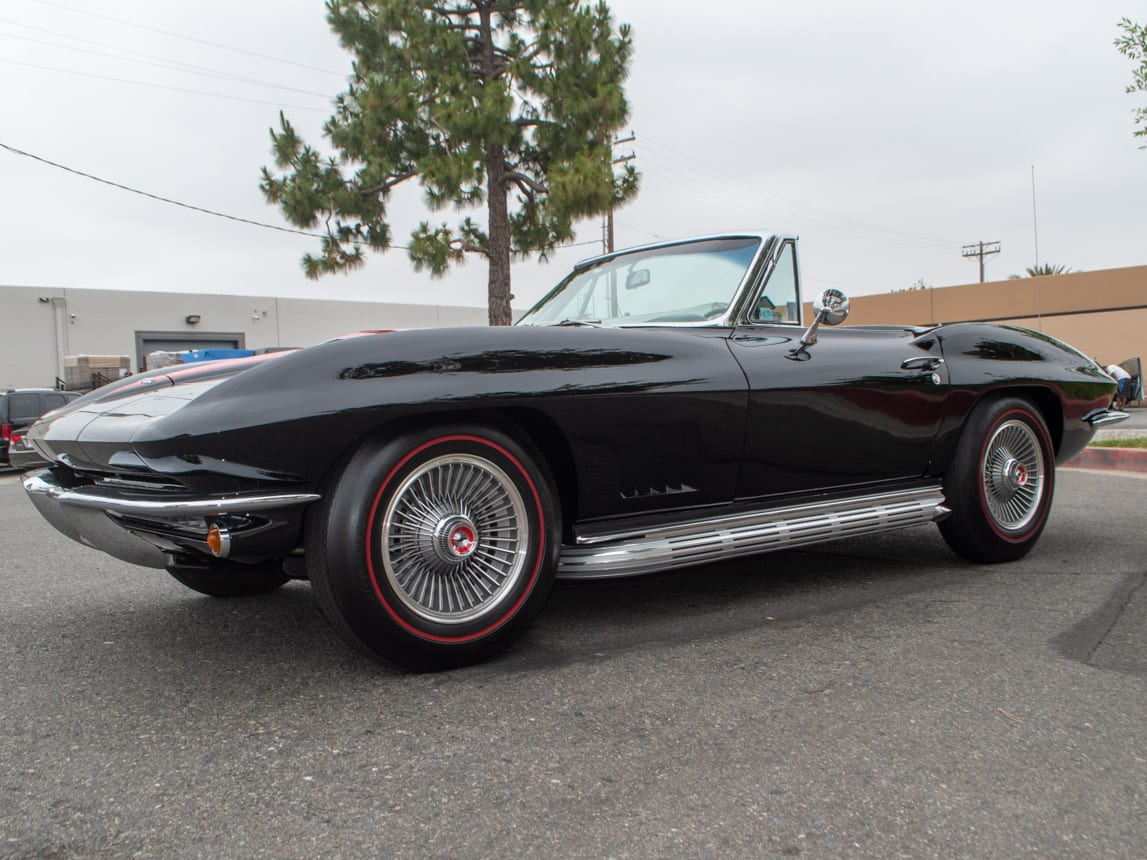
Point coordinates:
pixel 434 550
pixel 1000 483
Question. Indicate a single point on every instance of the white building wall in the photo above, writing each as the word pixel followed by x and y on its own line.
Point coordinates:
pixel 40 326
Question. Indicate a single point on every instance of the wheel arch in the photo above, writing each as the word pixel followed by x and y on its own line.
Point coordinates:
pixel 524 424
pixel 1050 408
pixel 1044 399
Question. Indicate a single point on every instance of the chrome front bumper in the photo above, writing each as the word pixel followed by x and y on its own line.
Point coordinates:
pixel 1106 416
pixel 142 531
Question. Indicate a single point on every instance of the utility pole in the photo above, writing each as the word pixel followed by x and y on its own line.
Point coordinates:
pixel 981 250
pixel 607 223
pixel 1035 223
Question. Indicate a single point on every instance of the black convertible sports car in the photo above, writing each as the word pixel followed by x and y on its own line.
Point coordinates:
pixel 661 407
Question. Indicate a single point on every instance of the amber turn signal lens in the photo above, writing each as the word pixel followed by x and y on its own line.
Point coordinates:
pixel 215 541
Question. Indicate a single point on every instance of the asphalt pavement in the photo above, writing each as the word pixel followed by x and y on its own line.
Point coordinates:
pixel 875 698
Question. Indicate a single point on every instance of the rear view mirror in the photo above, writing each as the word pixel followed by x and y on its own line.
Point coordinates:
pixel 637 278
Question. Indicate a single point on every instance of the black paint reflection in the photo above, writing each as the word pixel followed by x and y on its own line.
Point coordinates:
pixel 995 350
pixel 504 361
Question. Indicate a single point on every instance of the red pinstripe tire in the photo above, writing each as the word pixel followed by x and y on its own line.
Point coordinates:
pixel 1000 483
pixel 434 549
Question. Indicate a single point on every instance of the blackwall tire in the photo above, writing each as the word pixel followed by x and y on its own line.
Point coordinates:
pixel 230 579
pixel 435 549
pixel 1001 482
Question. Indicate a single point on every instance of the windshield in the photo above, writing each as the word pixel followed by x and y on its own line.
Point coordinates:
pixel 690 282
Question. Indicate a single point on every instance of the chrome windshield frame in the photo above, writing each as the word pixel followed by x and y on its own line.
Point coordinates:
pixel 762 260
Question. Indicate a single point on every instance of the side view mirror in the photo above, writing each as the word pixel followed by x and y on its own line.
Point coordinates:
pixel 830 308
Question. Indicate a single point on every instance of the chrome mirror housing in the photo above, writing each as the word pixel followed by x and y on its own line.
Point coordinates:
pixel 831 308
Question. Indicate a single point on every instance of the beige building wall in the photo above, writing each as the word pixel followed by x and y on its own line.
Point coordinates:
pixel 41 326
pixel 1103 313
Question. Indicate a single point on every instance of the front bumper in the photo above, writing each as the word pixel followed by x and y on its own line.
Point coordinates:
pixel 1100 417
pixel 147 531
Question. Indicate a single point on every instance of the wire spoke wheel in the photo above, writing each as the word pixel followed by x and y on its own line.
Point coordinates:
pixel 435 548
pixel 1000 482
pixel 1012 475
pixel 454 539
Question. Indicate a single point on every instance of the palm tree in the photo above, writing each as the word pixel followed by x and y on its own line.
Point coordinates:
pixel 1046 269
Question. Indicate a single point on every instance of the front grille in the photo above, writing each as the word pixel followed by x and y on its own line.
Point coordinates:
pixel 155 484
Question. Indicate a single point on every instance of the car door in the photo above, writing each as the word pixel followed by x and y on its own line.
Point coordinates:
pixel 24 407
pixel 859 408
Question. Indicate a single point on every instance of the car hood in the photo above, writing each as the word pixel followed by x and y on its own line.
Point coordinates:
pixel 292 414
pixel 79 434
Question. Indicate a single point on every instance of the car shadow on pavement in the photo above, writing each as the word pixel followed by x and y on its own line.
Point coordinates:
pixel 172 631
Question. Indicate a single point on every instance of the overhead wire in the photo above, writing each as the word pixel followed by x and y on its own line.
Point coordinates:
pixel 187 38
pixel 743 200
pixel 749 202
pixel 170 65
pixel 162 86
pixel 201 209
pixel 148 194
pixel 814 214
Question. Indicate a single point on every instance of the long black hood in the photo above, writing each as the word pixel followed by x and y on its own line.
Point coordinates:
pixel 287 417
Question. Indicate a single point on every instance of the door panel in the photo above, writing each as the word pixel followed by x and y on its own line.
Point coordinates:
pixel 847 415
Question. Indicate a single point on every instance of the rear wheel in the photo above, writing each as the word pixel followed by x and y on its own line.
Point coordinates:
pixel 435 549
pixel 229 579
pixel 1000 483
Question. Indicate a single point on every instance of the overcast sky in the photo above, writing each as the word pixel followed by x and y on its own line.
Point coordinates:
pixel 885 134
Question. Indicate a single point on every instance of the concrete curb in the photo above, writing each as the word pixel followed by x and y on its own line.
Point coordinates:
pixel 1122 459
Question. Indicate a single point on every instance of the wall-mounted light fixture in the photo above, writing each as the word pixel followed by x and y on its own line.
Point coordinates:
pixel 192 319
pixel 44 300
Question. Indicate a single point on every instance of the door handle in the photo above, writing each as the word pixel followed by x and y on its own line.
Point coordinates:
pixel 921 362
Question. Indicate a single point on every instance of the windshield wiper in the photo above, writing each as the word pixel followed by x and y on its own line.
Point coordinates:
pixel 590 323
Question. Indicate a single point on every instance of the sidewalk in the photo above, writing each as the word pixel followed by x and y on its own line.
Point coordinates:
pixel 1122 459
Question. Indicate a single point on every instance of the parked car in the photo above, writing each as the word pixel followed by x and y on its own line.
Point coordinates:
pixel 20 407
pixel 662 407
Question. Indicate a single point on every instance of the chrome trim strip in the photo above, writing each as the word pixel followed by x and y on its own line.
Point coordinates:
pixel 85 497
pixel 632 553
pixel 766 516
pixel 1106 416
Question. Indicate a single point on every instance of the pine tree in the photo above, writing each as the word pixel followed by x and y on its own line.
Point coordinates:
pixel 478 101
pixel 1133 45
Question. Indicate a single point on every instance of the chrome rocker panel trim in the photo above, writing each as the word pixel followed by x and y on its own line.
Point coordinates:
pixel 633 553
pixel 88 516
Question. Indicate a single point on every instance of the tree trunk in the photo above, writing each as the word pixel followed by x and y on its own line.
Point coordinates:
pixel 498 255
pixel 498 293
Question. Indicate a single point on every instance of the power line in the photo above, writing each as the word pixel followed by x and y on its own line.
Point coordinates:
pixel 638 230
pixel 279 105
pixel 608 221
pixel 203 210
pixel 980 250
pixel 764 208
pixel 170 65
pixel 798 208
pixel 189 38
pixel 147 194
